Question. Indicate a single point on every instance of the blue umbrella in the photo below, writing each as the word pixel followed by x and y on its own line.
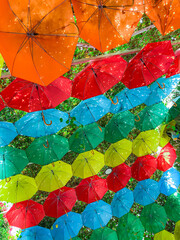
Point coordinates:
pixel 91 110
pixel 67 226
pixel 7 133
pixel 169 181
pixel 129 98
pixel 146 192
pixel 36 233
pixel 96 215
pixel 122 202
pixel 42 123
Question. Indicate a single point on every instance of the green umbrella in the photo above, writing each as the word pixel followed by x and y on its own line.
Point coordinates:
pixel 119 127
pixel 153 218
pixel 172 207
pixel 130 228
pixel 104 234
pixel 174 111
pixel 86 138
pixel 12 161
pixel 47 149
pixel 151 117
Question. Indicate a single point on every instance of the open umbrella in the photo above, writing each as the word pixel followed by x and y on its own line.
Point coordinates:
pixel 36 233
pixel 172 207
pixel 37 43
pixel 163 235
pixel 175 67
pixel 7 133
pixel 177 230
pixel 104 234
pixel 174 111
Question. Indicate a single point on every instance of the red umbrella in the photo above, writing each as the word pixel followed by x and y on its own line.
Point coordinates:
pixel 91 189
pixel 149 64
pixel 98 77
pixel 25 214
pixel 30 97
pixel 60 202
pixel 175 67
pixel 166 157
pixel 144 167
pixel 119 177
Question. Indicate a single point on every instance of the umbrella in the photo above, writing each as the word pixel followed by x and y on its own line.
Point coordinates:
pixel 35 233
pixel 146 192
pixel 175 67
pixel 12 161
pixel 104 234
pixel 60 202
pixel 130 227
pixel 117 153
pixel 164 138
pixel 17 189
pixel 42 123
pixel 149 64
pixel 7 133
pixel 146 143
pixel 88 164
pixel 177 230
pixel 96 215
pixel 47 149
pixel 122 202
pixel 30 97
pixel 67 226
pixel 169 182
pixel 172 207
pixel 53 176
pixel 98 77
pixel 25 214
pixel 153 218
pixel 174 111
pixel 119 127
pixel 37 43
pixel 119 177
pixel 144 167
pixel 86 138
pixel 163 235
pixel 91 189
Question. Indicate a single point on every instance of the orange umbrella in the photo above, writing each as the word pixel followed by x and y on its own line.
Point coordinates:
pixel 37 38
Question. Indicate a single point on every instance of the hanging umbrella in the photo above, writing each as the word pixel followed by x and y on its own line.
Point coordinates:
pixel 117 153
pixel 119 177
pixel 38 43
pixel 91 189
pixel 163 235
pixel 146 143
pixel 88 164
pixel 175 67
pixel 60 202
pixel 35 233
pixel 150 63
pixel 119 127
pixel 42 123
pixel 130 227
pixel 86 138
pixel 17 189
pixel 12 161
pixel 67 226
pixel 96 215
pixel 25 214
pixel 122 202
pixel 47 149
pixel 7 133
pixel 53 176
pixel 174 111
pixel 30 97
pixel 177 230
pixel 146 192
pixel 104 234
pixel 164 138
pixel 172 207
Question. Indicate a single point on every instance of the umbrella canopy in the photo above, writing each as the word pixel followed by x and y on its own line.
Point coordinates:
pixel 88 164
pixel 47 149
pixel 117 153
pixel 91 189
pixel 42 123
pixel 172 207
pixel 25 214
pixel 104 234
pixel 119 127
pixel 7 133
pixel 177 230
pixel 53 176
pixel 35 233
pixel 37 45
pixel 175 67
pixel 146 192
pixel 96 215
pixel 30 97
pixel 119 177
pixel 12 161
pixel 164 235
pixel 86 138
pixel 122 202
pixel 130 227
pixel 19 188
pixel 149 64
pixel 174 111
pixel 153 218
pixel 60 202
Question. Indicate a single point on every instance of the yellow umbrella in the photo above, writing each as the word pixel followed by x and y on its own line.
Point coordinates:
pixel 177 230
pixel 164 235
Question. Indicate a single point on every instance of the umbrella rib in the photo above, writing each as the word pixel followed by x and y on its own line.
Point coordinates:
pixel 87 3
pixel 14 33
pixel 89 18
